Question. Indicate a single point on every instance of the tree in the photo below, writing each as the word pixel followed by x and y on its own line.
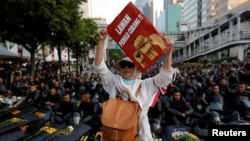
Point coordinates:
pixel 64 24
pixel 33 22
pixel 83 38
pixel 115 54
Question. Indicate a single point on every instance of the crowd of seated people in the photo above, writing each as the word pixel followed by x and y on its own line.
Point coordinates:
pixel 195 93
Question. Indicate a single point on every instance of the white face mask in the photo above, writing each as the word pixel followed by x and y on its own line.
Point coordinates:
pixel 128 81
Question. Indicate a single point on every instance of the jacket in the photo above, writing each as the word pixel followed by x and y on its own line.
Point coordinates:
pixel 149 87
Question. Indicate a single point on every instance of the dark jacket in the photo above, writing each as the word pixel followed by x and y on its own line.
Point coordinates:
pixel 178 107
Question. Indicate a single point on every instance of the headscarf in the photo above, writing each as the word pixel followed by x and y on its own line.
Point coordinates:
pixel 136 74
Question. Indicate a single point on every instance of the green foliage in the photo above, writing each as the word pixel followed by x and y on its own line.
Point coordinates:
pixel 183 136
pixel 84 37
pixel 31 23
pixel 115 54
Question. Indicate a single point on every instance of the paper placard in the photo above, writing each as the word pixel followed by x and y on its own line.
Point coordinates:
pixel 137 37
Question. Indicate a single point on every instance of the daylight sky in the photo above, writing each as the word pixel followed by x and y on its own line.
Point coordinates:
pixel 108 9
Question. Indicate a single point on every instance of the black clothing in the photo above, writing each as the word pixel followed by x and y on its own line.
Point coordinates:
pixel 15 88
pixel 90 113
pixel 174 110
pixel 242 103
pixel 63 112
pixel 52 99
pixel 188 92
pixel 3 89
pixel 215 102
pixel 66 108
pixel 86 109
pixel 35 98
pixel 43 90
pixel 201 108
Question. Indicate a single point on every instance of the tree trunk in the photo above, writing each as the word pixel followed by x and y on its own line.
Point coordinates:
pixel 43 50
pixel 60 62
pixel 32 60
pixel 77 64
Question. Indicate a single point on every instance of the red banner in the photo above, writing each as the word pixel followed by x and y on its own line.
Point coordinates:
pixel 137 37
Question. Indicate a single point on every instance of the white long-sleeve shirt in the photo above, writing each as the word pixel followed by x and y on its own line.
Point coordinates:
pixel 148 87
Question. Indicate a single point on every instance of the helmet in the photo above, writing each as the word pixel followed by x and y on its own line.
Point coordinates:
pixel 155 126
pixel 214 117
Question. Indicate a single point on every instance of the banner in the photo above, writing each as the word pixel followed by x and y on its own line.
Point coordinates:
pixel 137 37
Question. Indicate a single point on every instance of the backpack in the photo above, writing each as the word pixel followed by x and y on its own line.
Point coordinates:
pixel 120 119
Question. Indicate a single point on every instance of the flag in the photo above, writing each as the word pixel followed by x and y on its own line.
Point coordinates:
pixel 161 90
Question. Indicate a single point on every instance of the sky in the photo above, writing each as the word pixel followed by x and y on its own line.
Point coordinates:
pixel 108 9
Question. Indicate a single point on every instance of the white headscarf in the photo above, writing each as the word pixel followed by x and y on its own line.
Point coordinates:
pixel 136 74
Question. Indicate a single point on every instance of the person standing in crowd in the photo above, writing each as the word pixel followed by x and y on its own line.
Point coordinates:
pixel 65 72
pixel 80 67
pixel 128 79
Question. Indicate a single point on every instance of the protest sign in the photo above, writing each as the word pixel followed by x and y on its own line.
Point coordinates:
pixel 137 37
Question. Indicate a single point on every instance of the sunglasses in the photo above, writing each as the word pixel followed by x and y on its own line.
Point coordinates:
pixel 124 64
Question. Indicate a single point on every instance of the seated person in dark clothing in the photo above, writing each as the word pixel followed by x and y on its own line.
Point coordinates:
pixel 188 91
pixel 242 101
pixel 99 90
pixel 3 89
pixel 25 85
pixel 51 99
pixel 65 111
pixel 156 116
pixel 215 100
pixel 200 106
pixel 43 88
pixel 69 86
pixel 226 92
pixel 155 111
pixel 88 110
pixel 178 110
pixel 34 96
pixel 16 87
pixel 59 88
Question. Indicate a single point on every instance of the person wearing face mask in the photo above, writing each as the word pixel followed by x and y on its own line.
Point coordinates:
pixel 128 79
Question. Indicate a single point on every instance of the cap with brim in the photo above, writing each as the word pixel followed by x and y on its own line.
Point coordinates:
pixel 117 63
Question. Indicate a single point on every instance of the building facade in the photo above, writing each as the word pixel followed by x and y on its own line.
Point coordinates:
pixel 230 39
